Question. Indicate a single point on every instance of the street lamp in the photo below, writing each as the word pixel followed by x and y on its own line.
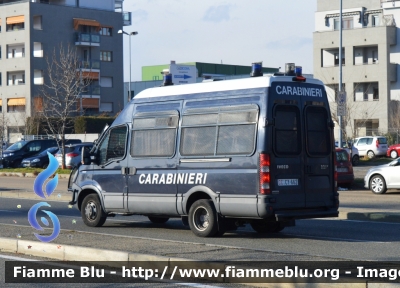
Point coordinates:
pixel 130 66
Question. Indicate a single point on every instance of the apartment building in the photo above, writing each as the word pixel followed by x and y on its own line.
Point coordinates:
pixel 31 30
pixel 370 61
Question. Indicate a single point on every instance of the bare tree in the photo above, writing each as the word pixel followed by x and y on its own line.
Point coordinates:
pixel 394 114
pixel 3 129
pixel 61 92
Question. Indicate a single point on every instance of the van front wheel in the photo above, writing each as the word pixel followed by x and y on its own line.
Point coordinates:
pixel 266 226
pixel 92 212
pixel 203 218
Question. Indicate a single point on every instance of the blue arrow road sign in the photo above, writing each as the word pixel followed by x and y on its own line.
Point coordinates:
pixel 184 76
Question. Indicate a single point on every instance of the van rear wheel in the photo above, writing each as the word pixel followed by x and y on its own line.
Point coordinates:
pixel 92 212
pixel 203 218
pixel 264 227
pixel 158 220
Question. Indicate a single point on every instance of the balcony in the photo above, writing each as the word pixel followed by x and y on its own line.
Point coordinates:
pixel 91 90
pixel 87 39
pixel 127 18
pixel 90 65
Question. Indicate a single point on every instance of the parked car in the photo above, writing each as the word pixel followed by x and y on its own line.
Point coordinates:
pixel 353 152
pixel 393 151
pixel 73 154
pixel 39 160
pixel 383 177
pixel 13 155
pixel 345 174
pixel 371 146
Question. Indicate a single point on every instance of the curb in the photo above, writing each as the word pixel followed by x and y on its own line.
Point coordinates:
pixel 28 175
pixel 88 255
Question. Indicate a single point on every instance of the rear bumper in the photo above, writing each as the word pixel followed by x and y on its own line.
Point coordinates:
pixel 290 215
pixel 345 178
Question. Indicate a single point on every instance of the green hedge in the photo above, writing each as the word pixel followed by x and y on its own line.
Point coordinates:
pixel 91 124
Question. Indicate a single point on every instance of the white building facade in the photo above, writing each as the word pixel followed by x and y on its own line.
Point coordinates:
pixel 370 63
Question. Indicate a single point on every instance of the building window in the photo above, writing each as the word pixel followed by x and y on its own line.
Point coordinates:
pixel 0 79
pixel 375 20
pixel 37 22
pixel 374 56
pixel 375 94
pixel 106 107
pixel 106 56
pixel 37 49
pixel 347 23
pixel 16 105
pixel 336 55
pixel 106 81
pixel 106 31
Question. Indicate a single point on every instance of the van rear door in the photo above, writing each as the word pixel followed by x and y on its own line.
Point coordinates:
pixel 301 158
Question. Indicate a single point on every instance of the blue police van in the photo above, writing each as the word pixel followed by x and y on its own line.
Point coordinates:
pixel 218 155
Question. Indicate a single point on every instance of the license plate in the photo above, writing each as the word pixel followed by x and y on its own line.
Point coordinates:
pixel 288 182
pixel 342 170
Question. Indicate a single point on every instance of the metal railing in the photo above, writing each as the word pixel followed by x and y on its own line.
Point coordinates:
pixel 91 90
pixel 87 37
pixel 89 64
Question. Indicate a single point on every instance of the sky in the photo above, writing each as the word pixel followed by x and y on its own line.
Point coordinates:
pixel 236 32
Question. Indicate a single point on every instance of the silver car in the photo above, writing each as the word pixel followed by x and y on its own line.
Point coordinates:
pixel 383 177
pixel 73 154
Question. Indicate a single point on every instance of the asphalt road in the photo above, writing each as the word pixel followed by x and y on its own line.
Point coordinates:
pixel 310 240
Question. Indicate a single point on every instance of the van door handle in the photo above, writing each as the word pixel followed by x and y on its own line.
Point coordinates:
pixel 132 170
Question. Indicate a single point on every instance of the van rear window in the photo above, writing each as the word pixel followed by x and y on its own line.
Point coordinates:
pixel 287 138
pixel 318 134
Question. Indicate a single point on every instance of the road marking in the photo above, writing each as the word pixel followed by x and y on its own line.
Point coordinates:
pixel 16 258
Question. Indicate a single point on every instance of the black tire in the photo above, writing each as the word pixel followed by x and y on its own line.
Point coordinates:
pixel 203 218
pixel 355 160
pixel 393 154
pixel 92 212
pixel 264 227
pixel 158 220
pixel 370 154
pixel 377 184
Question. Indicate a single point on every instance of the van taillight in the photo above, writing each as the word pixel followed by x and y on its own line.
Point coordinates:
pixel 377 143
pixel 265 178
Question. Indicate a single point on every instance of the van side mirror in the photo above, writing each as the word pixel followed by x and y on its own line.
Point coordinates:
pixel 85 157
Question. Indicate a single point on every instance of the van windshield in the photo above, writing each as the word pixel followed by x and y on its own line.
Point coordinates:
pixel 17 145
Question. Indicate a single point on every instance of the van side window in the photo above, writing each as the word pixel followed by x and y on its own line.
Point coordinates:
pixel 287 138
pixel 223 131
pixel 318 134
pixel 114 145
pixel 154 135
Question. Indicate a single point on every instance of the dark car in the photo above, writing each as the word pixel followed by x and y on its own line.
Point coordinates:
pixel 39 160
pixel 73 154
pixel 345 174
pixel 393 151
pixel 13 155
